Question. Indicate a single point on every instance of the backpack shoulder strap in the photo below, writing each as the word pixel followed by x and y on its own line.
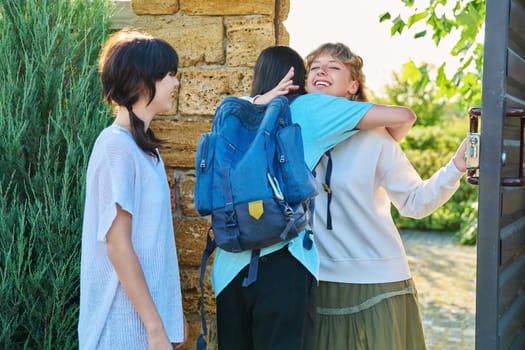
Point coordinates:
pixel 252 269
pixel 210 247
pixel 328 190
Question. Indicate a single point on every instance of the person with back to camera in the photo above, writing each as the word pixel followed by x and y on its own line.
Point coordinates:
pixel 278 310
pixel 366 296
pixel 130 295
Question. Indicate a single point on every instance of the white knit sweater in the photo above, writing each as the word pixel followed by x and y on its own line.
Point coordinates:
pixel 120 172
pixel 371 172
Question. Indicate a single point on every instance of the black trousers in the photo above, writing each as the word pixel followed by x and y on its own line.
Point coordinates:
pixel 276 312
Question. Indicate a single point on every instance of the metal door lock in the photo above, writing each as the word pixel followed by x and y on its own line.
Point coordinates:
pixel 472 152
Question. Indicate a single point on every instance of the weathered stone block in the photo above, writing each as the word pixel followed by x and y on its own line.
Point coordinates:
pixel 202 91
pixel 155 7
pixel 246 37
pixel 227 7
pixel 190 283
pixel 170 175
pixel 123 16
pixel 181 140
pixel 283 10
pixel 191 303
pixel 186 187
pixel 197 40
pixel 283 37
pixel 190 236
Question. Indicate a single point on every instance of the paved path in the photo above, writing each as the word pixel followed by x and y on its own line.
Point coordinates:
pixel 445 276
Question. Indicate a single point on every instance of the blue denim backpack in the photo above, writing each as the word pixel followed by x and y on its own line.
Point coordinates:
pixel 252 179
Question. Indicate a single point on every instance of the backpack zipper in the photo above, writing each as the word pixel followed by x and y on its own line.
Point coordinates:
pixel 280 150
pixel 204 155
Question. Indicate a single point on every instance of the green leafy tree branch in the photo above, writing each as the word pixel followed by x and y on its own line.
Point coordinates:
pixel 440 19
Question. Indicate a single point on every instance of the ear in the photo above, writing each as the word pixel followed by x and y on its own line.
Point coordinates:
pixel 353 87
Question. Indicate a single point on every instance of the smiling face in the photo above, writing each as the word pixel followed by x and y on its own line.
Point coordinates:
pixel 164 91
pixel 330 76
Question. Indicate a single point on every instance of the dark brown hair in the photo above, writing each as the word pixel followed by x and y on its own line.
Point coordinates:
pixel 272 65
pixel 131 63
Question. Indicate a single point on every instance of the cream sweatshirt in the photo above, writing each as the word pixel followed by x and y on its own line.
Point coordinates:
pixel 371 172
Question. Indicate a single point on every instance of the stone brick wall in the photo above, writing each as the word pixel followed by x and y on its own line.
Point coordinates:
pixel 218 42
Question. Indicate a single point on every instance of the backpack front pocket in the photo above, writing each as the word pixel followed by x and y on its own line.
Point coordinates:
pixel 298 180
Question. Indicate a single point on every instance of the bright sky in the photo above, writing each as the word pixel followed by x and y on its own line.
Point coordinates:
pixel 356 24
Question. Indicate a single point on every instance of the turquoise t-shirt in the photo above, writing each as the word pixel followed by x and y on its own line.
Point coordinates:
pixel 325 121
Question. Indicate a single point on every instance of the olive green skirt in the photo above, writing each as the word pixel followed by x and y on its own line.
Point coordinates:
pixel 382 316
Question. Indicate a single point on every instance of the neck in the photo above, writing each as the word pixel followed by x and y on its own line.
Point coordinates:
pixel 123 118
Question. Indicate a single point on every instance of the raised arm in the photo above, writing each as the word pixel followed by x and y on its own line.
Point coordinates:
pixel 283 88
pixel 397 120
pixel 412 196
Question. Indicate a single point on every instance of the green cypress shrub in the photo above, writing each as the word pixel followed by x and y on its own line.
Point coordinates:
pixel 50 114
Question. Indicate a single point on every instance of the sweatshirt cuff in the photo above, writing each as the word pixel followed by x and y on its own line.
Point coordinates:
pixel 250 98
pixel 453 171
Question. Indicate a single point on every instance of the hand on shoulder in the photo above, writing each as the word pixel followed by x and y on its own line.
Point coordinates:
pixel 282 89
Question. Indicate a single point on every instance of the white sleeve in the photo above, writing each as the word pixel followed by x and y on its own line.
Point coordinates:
pixel 249 98
pixel 325 121
pixel 412 196
pixel 113 183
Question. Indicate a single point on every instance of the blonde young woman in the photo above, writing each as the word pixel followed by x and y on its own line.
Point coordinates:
pixel 366 297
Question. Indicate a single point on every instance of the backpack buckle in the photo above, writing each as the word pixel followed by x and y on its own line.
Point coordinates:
pixel 231 218
pixel 288 211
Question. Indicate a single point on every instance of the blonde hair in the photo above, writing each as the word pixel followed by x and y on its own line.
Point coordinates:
pixel 353 62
